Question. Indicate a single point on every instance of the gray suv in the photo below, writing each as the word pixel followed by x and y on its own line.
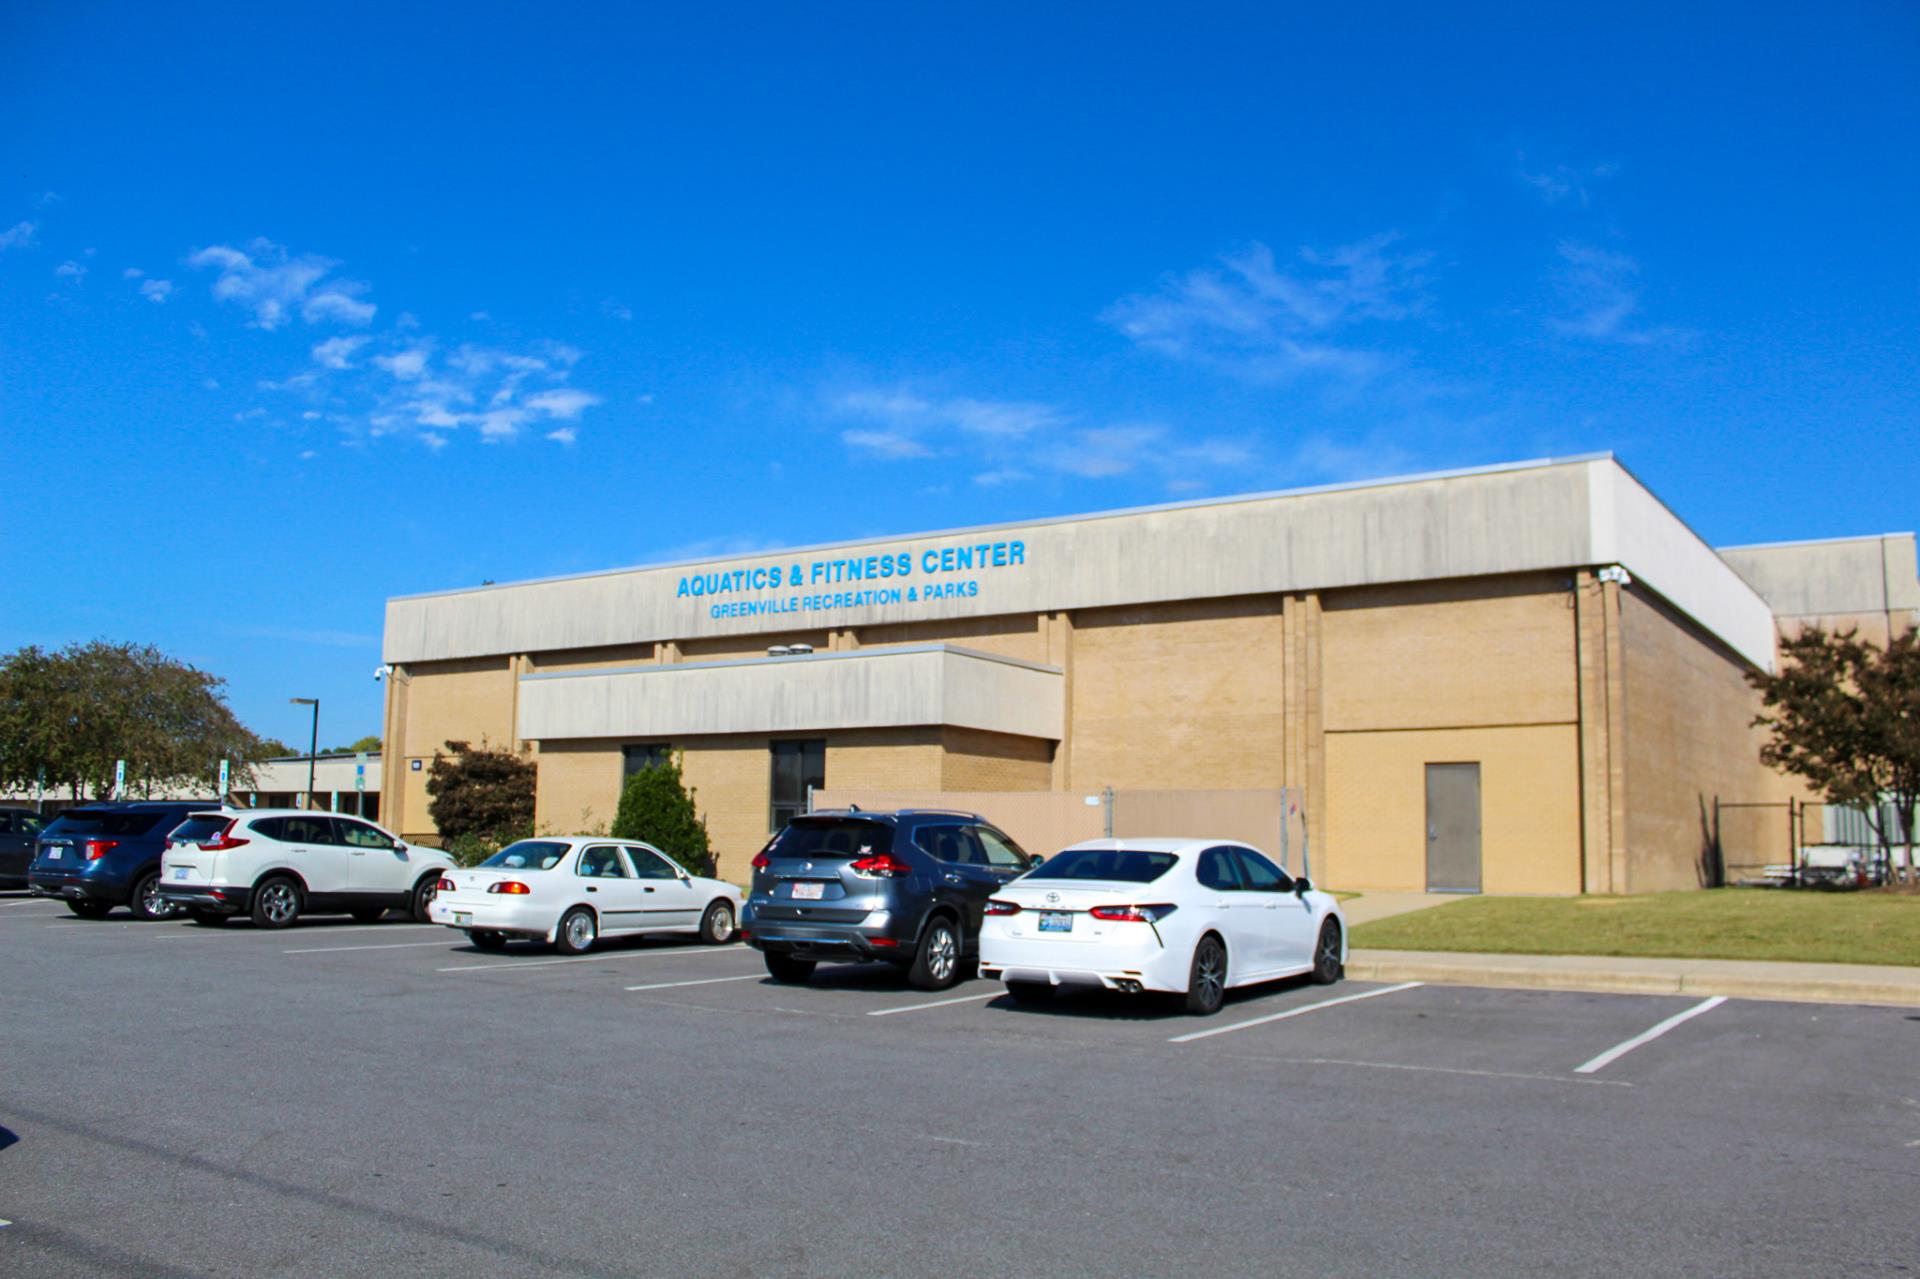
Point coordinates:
pixel 907 887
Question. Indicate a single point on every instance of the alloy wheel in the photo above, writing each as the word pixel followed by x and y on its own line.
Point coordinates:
pixel 943 952
pixel 1211 976
pixel 152 904
pixel 278 902
pixel 580 930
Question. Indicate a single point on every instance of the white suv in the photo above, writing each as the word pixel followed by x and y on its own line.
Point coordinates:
pixel 277 864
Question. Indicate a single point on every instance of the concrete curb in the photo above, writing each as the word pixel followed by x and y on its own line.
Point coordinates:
pixel 1799 983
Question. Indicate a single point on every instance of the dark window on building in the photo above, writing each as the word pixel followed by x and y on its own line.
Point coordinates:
pixel 797 766
pixel 644 755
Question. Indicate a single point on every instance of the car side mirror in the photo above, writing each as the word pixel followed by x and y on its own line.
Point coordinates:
pixel 400 848
pixel 1034 861
pixel 1303 885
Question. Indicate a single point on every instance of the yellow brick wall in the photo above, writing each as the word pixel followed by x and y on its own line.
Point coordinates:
pixel 1178 695
pixel 1018 635
pixel 578 787
pixel 1529 807
pixel 581 659
pixel 467 700
pixel 1444 654
pixel 975 760
pixel 1688 737
pixel 731 779
pixel 724 648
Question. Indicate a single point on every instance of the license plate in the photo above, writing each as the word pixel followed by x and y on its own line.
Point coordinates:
pixel 462 917
pixel 53 854
pixel 1055 921
pixel 809 892
pixel 179 872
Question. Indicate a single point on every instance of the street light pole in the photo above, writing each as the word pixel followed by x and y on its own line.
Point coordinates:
pixel 313 743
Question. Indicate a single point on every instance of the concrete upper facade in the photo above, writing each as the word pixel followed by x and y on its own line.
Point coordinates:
pixel 1526 517
pixel 1834 577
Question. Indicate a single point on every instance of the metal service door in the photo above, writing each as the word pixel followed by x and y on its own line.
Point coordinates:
pixel 1453 828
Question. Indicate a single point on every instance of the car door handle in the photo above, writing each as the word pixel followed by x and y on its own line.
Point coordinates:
pixel 954 879
pixel 592 889
pixel 358 852
pixel 649 888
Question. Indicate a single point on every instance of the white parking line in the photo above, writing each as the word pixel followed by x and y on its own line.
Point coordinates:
pixel 938 1003
pixel 1292 1012
pixel 298 932
pixel 1618 1051
pixel 591 959
pixel 389 945
pixel 704 981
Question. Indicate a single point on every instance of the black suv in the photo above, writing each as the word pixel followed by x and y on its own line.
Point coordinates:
pixel 99 856
pixel 907 887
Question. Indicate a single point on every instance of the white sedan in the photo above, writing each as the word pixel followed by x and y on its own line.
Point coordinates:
pixel 1187 916
pixel 573 891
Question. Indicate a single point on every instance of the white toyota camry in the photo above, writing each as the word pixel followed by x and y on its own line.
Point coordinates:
pixel 1188 916
pixel 573 891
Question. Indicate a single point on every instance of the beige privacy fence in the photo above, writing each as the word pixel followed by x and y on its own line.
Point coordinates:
pixel 1047 821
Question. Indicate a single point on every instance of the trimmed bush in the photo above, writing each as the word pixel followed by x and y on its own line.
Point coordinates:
pixel 657 807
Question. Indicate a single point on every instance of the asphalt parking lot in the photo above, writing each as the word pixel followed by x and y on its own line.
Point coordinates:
pixel 344 1099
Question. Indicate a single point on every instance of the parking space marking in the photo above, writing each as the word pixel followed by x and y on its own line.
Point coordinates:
pixel 938 1003
pixel 589 959
pixel 388 945
pixel 273 932
pixel 1292 1012
pixel 704 981
pixel 1432 1070
pixel 1647 1036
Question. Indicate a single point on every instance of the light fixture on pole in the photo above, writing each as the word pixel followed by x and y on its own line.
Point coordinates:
pixel 313 745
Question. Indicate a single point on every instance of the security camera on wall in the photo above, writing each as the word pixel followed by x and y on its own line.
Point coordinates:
pixel 380 672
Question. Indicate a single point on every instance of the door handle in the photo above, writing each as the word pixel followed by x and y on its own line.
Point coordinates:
pixel 592 889
pixel 649 888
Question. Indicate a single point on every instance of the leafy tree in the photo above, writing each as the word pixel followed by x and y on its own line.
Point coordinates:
pixel 371 745
pixel 1845 715
pixel 274 748
pixel 67 716
pixel 656 806
pixel 481 792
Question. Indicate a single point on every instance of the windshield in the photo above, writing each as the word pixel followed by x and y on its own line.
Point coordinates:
pixel 81 821
pixel 828 837
pixel 1129 865
pixel 527 854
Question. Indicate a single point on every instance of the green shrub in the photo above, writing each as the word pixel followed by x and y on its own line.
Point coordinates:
pixel 657 807
pixel 483 793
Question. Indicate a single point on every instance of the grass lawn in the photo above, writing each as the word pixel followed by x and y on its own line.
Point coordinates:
pixel 1720 923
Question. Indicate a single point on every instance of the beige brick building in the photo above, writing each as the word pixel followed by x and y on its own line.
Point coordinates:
pixel 1525 679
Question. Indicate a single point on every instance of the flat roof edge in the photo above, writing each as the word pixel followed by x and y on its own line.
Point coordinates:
pixel 662 668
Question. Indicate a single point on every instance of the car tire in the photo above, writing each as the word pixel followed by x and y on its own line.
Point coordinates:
pixel 146 902
pixel 276 903
pixel 1207 978
pixel 577 932
pixel 207 918
pixel 89 910
pixel 716 926
pixel 1327 967
pixel 486 939
pixel 367 914
pixel 787 970
pixel 1030 992
pixel 936 963
pixel 422 898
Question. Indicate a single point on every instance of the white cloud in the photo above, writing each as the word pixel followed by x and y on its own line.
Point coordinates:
pixel 500 424
pixel 17 236
pixel 432 441
pixel 307 455
pixel 563 402
pixel 405 365
pixel 337 353
pixel 615 309
pixel 563 435
pixel 71 270
pixel 212 384
pixel 889 445
pixel 1600 293
pixel 274 285
pixel 132 273
pixel 47 198
pixel 1558 182
pixel 1257 319
pixel 156 290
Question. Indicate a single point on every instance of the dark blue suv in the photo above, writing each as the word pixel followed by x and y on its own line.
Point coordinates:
pixel 908 887
pixel 99 856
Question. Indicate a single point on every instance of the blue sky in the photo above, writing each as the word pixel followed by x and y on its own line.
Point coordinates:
pixel 300 310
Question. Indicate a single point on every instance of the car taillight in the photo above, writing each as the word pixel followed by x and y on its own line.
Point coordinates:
pixel 98 848
pixel 761 861
pixel 1133 914
pixel 224 840
pixel 444 886
pixel 512 887
pixel 881 866
pixel 997 907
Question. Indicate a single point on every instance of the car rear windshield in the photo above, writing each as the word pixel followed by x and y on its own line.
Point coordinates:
pixel 81 821
pixel 1128 865
pixel 199 829
pixel 527 854
pixel 827 837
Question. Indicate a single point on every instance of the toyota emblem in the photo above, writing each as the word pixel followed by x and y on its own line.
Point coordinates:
pixel 1053 898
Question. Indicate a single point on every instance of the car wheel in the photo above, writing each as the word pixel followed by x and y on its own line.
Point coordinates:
pixel 1207 979
pixel 716 926
pixel 423 897
pixel 276 903
pixel 787 969
pixel 1327 968
pixel 485 939
pixel 367 914
pixel 207 918
pixel 1030 992
pixel 577 932
pixel 89 910
pixel 936 966
pixel 146 902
